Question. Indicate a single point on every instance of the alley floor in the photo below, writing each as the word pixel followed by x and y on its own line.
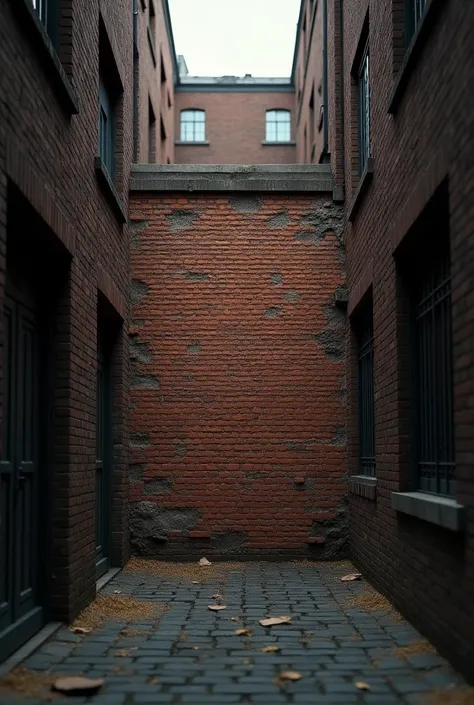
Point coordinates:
pixel 345 643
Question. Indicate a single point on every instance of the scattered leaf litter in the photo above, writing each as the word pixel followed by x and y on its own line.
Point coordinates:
pixel 417 647
pixel 271 649
pixel 29 683
pixel 115 607
pixel 275 621
pixel 351 577
pixel 204 561
pixel 190 572
pixel 362 685
pixel 372 601
pixel 243 632
pixel 450 696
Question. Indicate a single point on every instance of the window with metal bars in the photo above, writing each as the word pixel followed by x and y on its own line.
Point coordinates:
pixel 434 379
pixel 48 12
pixel 414 10
pixel 363 105
pixel 365 383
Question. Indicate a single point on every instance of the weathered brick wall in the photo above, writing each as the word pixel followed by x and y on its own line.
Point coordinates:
pixel 426 570
pixel 238 423
pixel 235 127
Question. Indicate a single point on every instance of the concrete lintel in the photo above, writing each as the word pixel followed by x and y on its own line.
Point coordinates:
pixel 316 178
pixel 435 509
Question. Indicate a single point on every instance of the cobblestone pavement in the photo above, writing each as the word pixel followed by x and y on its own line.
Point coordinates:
pixel 192 655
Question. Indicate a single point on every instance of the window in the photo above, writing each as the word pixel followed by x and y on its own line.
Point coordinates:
pixel 365 383
pixel 278 126
pixel 433 376
pixel 151 134
pixel 193 126
pixel 48 12
pixel 414 10
pixel 151 32
pixel 106 128
pixel 363 104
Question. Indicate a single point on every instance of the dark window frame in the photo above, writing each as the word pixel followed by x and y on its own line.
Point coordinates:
pixel 194 112
pixel 363 109
pixel 48 12
pixel 365 391
pixel 433 377
pixel 414 14
pixel 107 128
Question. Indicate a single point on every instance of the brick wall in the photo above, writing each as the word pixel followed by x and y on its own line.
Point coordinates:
pixel 235 127
pixel 48 142
pixel 422 142
pixel 238 424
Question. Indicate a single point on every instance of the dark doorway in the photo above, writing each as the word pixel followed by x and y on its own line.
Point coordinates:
pixel 103 455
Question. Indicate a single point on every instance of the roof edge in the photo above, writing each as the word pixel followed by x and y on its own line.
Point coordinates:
pixel 169 30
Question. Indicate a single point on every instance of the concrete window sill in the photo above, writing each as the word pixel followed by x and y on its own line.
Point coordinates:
pixel 109 190
pixel 33 26
pixel 413 51
pixel 441 511
pixel 278 144
pixel 361 189
pixel 180 143
pixel 364 486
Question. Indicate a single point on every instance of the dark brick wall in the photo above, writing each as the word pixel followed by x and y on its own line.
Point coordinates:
pixel 235 128
pixel 47 151
pixel 425 140
pixel 238 424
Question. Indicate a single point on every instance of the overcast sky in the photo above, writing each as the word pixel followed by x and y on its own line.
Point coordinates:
pixel 235 37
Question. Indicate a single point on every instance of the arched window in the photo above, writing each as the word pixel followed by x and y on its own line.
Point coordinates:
pixel 193 126
pixel 278 126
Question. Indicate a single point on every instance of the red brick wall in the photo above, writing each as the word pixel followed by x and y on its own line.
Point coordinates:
pixel 49 155
pixel 426 570
pixel 238 425
pixel 235 128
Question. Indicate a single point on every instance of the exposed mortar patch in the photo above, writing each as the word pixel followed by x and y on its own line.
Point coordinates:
pixel 332 337
pixel 194 348
pixel 160 485
pixel 140 380
pixel 136 470
pixel 181 219
pixel 292 296
pixel 324 220
pixel 299 446
pixel 138 291
pixel 150 524
pixel 246 204
pixel 335 534
pixel 273 312
pixel 253 475
pixel 140 441
pixel 195 276
pixel 277 279
pixel 280 220
pixel 229 542
pixel 339 437
pixel 180 449
pixel 139 351
pixel 136 227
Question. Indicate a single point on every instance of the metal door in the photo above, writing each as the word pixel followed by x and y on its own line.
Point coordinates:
pixel 102 465
pixel 21 615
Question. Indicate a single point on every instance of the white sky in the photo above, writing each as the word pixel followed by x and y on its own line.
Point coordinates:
pixel 235 37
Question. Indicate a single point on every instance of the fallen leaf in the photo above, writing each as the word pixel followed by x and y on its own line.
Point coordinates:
pixel 204 561
pixel 216 608
pixel 78 685
pixel 125 652
pixel 243 632
pixel 290 676
pixel 352 576
pixel 361 685
pixel 196 648
pixel 247 661
pixel 217 596
pixel 81 630
pixel 195 582
pixel 274 621
pixel 153 681
pixel 117 592
pixel 235 619
pixel 273 648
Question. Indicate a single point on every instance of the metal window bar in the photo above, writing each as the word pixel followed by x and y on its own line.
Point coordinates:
pixel 434 397
pixel 414 14
pixel 366 401
pixel 363 89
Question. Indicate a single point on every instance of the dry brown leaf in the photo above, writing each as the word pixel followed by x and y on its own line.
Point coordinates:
pixel 271 649
pixel 247 661
pixel 362 685
pixel 195 582
pixel 217 596
pixel 204 561
pixel 235 619
pixel 216 608
pixel 153 680
pixel 76 684
pixel 275 621
pixel 243 632
pixel 290 676
pixel 125 652
pixel 81 630
pixel 117 592
pixel 352 576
